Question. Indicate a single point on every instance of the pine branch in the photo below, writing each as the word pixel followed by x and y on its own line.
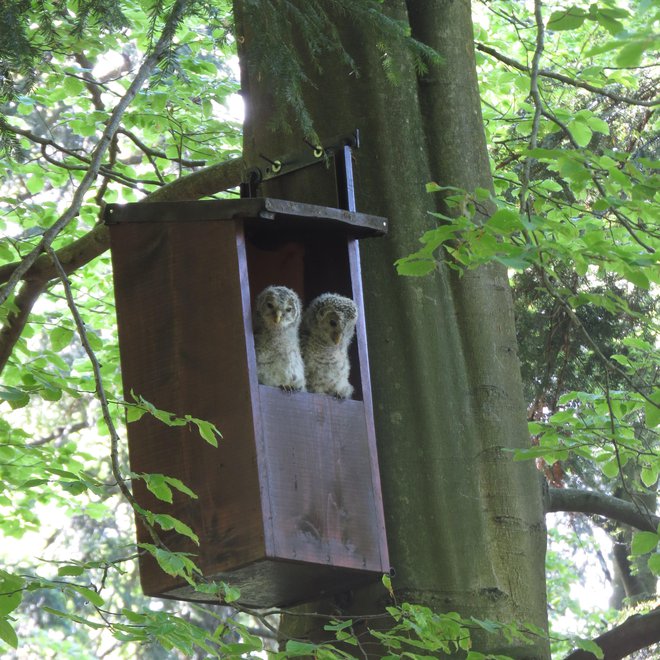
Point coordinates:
pixel 585 501
pixel 545 73
pixel 635 633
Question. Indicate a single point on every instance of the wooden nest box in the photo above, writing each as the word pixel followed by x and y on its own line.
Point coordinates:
pixel 288 506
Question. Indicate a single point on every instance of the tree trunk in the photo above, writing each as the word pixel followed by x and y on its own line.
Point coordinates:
pixel 465 523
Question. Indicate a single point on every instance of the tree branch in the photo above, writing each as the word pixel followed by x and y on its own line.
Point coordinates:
pixel 158 154
pixel 210 180
pixel 635 633
pixel 538 103
pixel 99 151
pixel 76 254
pixel 585 501
pixel 565 79
pixel 17 318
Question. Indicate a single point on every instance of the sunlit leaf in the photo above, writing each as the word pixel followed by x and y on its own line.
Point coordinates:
pixel 566 19
pixel 8 634
pixel 415 267
pixel 643 542
pixel 590 646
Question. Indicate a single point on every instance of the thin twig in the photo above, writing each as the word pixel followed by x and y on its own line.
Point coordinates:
pixel 565 79
pixel 536 98
pixel 158 154
pixel 100 395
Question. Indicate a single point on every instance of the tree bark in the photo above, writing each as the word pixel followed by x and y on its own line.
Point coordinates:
pixel 614 508
pixel 465 523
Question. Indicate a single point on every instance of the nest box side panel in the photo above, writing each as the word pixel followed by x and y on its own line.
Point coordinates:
pixel 360 345
pixel 323 507
pixel 182 341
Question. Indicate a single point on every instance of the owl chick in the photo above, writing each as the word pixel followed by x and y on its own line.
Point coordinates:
pixel 276 342
pixel 327 329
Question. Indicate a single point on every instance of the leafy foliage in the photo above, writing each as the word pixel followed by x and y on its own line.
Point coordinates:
pixel 576 223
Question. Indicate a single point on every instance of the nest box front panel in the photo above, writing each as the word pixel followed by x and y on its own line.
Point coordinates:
pixel 319 473
pixel 183 348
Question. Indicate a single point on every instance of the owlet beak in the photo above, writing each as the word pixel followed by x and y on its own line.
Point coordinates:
pixel 336 337
pixel 278 316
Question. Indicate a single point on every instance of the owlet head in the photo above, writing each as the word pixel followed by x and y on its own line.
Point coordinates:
pixel 278 306
pixel 335 317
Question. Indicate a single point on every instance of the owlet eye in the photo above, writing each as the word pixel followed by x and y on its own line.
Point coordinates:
pixel 289 309
pixel 333 323
pixel 269 305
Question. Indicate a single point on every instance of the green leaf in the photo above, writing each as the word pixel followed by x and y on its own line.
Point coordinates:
pixel 434 238
pixel 598 125
pixel 387 583
pixel 515 263
pixel 134 413
pixel 654 563
pixel 50 394
pixel 610 24
pixel 652 410
pixel 590 646
pixel 611 468
pixel 295 649
pixel 173 563
pixel 637 277
pixel 89 594
pixel 70 570
pixel 60 337
pixel 649 475
pixel 566 19
pixel 74 617
pixel 414 267
pixel 14 397
pixel 73 86
pixel 11 592
pixel 158 486
pixel 644 542
pixel 167 523
pixel 207 430
pixel 8 634
pixel 230 594
pixel 505 221
pixel 181 487
pixel 581 133
pixel 35 183
pixel 631 54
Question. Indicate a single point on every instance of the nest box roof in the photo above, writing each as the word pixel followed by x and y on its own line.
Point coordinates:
pixel 277 213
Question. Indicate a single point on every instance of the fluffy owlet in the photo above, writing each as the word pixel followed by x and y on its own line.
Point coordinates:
pixel 327 329
pixel 277 346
